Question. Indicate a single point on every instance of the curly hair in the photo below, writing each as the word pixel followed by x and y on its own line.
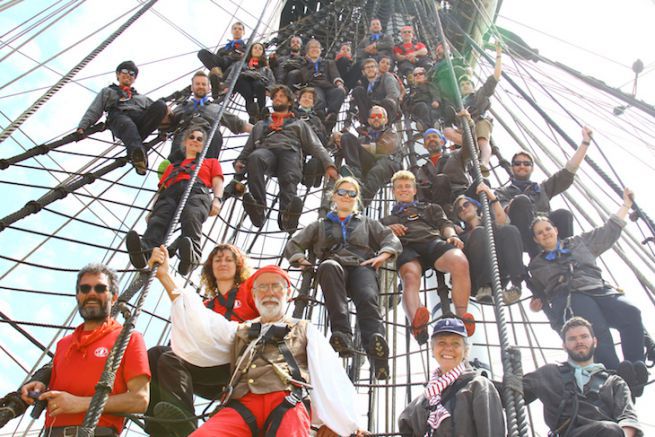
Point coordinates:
pixel 243 271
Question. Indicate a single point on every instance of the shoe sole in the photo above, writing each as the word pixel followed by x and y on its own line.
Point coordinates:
pixel 253 210
pixel 510 297
pixel 419 325
pixel 140 162
pixel 166 410
pixel 185 253
pixel 378 348
pixel 340 346
pixel 135 250
pixel 292 214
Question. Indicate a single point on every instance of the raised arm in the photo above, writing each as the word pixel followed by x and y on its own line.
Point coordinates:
pixel 574 163
pixel 498 68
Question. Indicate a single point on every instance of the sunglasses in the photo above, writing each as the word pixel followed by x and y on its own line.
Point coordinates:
pixel 522 163
pixel 126 71
pixel 463 205
pixel 98 288
pixel 376 115
pixel 277 287
pixel 196 138
pixel 343 192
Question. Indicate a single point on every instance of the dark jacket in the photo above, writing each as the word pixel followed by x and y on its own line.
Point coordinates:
pixel 264 73
pixel 287 63
pixel 551 276
pixel 475 411
pixel 112 98
pixel 614 403
pixel 424 222
pixel 325 76
pixel 478 102
pixel 189 113
pixel 539 194
pixel 387 142
pixel 384 87
pixel 384 47
pixel 366 239
pixel 425 93
pixel 314 121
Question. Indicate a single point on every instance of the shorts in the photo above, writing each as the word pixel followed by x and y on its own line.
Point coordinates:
pixel 427 253
pixel 483 128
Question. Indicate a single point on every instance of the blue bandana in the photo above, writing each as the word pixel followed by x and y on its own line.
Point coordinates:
pixel 233 43
pixel 584 374
pixel 371 85
pixel 333 217
pixel 199 102
pixel 523 185
pixel 374 134
pixel 551 255
pixel 376 36
pixel 400 207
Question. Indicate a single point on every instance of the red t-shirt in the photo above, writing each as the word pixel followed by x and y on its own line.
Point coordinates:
pixel 77 372
pixel 210 169
pixel 408 48
pixel 244 308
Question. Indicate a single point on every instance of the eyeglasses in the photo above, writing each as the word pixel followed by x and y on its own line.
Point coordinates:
pixel 98 288
pixel 343 192
pixel 130 72
pixel 277 287
pixel 463 205
pixel 376 115
pixel 195 138
pixel 522 163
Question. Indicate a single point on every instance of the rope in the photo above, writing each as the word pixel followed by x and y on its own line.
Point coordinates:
pixel 6 133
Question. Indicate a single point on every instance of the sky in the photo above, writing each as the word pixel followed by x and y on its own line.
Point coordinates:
pixel 612 38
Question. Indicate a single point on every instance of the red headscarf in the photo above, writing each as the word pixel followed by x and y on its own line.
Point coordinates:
pixel 268 269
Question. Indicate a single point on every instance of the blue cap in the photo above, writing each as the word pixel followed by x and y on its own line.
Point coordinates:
pixel 450 325
pixel 435 132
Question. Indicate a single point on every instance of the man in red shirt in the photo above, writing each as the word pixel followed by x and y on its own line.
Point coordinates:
pixel 80 359
pixel 409 53
pixel 199 206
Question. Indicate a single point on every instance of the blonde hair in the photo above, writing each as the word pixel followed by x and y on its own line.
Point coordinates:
pixel 352 181
pixel 403 175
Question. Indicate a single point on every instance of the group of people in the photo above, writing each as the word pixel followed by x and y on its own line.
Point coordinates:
pixel 268 368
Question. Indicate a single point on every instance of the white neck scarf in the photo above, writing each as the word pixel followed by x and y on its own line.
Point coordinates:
pixel 437 384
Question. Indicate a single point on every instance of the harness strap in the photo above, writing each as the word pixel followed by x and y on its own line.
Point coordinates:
pixel 229 302
pixel 570 398
pixel 274 420
pixel 179 168
pixel 246 415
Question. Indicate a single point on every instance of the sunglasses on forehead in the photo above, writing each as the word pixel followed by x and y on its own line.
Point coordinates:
pixel 126 71
pixel 98 288
pixel 343 192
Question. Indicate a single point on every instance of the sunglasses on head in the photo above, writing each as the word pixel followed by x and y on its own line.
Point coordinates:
pixel 98 288
pixel 376 115
pixel 195 138
pixel 126 71
pixel 522 163
pixel 343 192
pixel 463 205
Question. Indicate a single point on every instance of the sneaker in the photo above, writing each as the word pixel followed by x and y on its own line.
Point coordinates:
pixel 483 295
pixel 215 79
pixel 512 294
pixel 469 322
pixel 139 161
pixel 420 325
pixel 484 170
pixel 291 215
pixel 378 352
pixel 254 210
pixel 641 378
pixel 181 424
pixel 342 343
pixel 185 254
pixel 135 250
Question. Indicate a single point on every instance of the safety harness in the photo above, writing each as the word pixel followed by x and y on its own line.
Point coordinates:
pixel 275 335
pixel 227 303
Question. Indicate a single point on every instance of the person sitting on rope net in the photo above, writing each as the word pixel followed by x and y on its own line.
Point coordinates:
pixel 304 110
pixel 567 282
pixel 254 77
pixel 477 103
pixel 276 361
pixel 376 44
pixel 429 241
pixel 174 380
pixel 385 65
pixel 131 116
pixel 508 248
pixel 80 360
pixel 285 64
pixel 457 400
pixel 199 110
pixel 423 101
pixel 410 54
pixel 522 197
pixel 198 207
pixel 323 76
pixel 580 397
pixel 350 248
pixel 377 89
pixel 276 147
pixel 444 176
pixel 218 63
pixel 348 70
pixel 373 157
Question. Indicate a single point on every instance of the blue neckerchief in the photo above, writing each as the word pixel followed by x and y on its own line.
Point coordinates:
pixel 316 65
pixel 376 36
pixel 374 134
pixel 233 43
pixel 400 207
pixel 523 185
pixel 584 374
pixel 371 85
pixel 334 218
pixel 551 255
pixel 199 102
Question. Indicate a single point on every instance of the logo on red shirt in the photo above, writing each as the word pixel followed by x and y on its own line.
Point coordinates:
pixel 237 303
pixel 101 352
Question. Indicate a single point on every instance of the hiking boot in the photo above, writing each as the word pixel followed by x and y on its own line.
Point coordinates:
pixel 253 111
pixel 330 121
pixel 342 343
pixel 254 210
pixel 139 161
pixel 512 294
pixel 135 250
pixel 215 79
pixel 484 170
pixel 641 378
pixel 483 295
pixel 181 424
pixel 185 254
pixel 290 216
pixel 378 352
pixel 347 171
pixel 420 325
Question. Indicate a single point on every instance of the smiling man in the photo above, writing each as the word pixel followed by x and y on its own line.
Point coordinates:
pixel 580 397
pixel 275 361
pixel 80 359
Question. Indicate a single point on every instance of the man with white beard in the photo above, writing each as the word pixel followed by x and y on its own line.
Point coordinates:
pixel 277 361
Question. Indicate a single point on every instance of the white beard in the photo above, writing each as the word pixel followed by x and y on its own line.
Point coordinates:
pixel 269 311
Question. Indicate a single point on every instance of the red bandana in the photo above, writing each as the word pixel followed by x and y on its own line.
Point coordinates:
pixel 127 90
pixel 278 119
pixel 82 339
